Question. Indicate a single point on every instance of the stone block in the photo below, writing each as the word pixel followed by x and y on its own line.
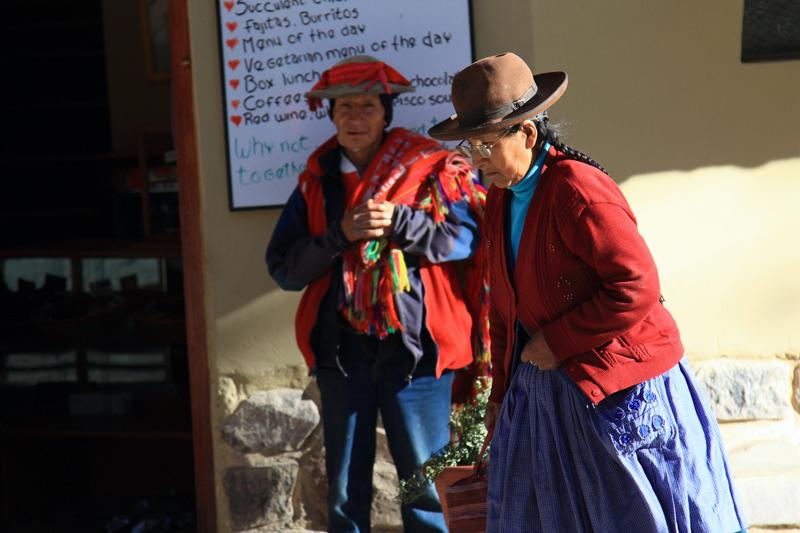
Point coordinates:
pixel 797 388
pixel 271 422
pixel 770 457
pixel 228 395
pixel 746 390
pixel 764 458
pixel 311 392
pixel 382 452
pixel 261 496
pixel 386 498
pixel 771 500
pixel 312 482
pixel 747 433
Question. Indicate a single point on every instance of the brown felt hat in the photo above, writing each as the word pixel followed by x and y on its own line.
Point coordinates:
pixel 497 92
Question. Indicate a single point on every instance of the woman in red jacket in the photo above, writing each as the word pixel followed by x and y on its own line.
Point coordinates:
pixel 602 426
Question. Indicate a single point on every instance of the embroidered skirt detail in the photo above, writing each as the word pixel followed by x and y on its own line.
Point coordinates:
pixel 646 459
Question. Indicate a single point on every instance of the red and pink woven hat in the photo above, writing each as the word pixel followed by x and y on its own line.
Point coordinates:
pixel 357 75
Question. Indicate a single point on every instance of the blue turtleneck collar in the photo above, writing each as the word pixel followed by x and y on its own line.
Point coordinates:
pixel 522 193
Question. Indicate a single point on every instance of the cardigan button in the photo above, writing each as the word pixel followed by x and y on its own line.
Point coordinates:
pixel 595 392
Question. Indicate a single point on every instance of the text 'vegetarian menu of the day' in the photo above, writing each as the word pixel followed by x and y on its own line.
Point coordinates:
pixel 274 51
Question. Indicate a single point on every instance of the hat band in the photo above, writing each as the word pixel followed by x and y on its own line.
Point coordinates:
pixel 361 74
pixel 469 119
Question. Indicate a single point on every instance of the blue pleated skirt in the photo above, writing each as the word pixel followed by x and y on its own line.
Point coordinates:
pixel 646 459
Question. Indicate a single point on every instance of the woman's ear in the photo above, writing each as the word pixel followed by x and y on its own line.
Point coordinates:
pixel 531 134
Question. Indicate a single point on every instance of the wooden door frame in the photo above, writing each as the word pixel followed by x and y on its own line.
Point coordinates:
pixel 193 266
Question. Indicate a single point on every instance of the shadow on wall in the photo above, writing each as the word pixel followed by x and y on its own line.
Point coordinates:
pixel 653 86
pixel 652 125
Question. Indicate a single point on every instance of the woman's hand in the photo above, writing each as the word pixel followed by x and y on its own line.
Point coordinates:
pixel 537 351
pixel 489 419
pixel 372 220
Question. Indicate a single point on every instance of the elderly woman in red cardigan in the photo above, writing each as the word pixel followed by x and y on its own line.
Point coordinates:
pixel 602 426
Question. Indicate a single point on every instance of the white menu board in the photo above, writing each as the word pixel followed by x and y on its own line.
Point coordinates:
pixel 273 51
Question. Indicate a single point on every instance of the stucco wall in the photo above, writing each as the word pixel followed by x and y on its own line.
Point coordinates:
pixel 251 318
pixel 654 85
pixel 705 148
pixel 251 322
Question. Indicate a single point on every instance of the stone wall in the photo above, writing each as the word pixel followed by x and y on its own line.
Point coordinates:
pixel 274 461
pixel 757 402
pixel 274 472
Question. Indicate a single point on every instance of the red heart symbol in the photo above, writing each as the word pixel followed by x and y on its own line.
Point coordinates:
pixel 232 42
pixel 235 103
pixel 234 83
pixel 233 63
pixel 236 119
pixel 228 5
pixel 231 25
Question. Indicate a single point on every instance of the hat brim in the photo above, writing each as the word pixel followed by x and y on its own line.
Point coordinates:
pixel 550 86
pixel 338 91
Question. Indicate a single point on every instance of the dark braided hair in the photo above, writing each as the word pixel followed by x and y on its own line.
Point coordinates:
pixel 546 133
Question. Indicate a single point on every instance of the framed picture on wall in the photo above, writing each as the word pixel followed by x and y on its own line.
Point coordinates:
pixel 155 38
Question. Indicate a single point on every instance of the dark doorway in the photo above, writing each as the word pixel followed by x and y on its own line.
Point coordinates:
pixel 95 403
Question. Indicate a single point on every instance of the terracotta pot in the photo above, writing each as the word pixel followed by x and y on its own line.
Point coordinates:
pixel 450 475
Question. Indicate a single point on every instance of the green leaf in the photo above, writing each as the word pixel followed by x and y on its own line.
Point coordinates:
pixel 466 425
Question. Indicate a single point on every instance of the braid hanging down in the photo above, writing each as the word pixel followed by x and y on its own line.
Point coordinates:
pixel 542 122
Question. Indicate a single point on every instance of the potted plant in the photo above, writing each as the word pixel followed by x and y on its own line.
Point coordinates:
pixel 456 459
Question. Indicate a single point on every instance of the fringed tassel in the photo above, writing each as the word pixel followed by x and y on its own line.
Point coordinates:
pixel 452 182
pixel 369 291
pixel 477 198
pixel 439 207
pixel 376 278
pixel 391 316
pixel 485 339
pixel 399 272
pixel 371 251
pixel 348 279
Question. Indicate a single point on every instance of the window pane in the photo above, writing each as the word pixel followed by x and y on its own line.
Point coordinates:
pixel 39 367
pixel 34 377
pixel 147 272
pixel 148 366
pixel 150 358
pixel 38 360
pixel 35 270
pixel 771 30
pixel 127 375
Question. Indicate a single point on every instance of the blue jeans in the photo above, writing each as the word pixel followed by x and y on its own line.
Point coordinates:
pixel 415 415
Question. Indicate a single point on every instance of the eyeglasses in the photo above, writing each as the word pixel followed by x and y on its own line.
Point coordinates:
pixel 467 149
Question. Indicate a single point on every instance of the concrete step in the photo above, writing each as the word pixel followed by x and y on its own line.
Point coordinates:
pixel 765 460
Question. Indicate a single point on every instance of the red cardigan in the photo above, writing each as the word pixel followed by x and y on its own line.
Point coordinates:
pixel 584 277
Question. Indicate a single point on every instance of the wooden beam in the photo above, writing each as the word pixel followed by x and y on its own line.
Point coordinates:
pixel 193 266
